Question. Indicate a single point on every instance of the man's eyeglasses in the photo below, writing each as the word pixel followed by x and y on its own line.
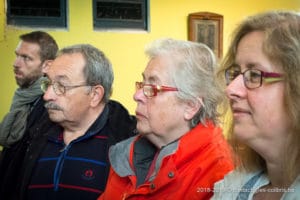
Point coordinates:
pixel 58 88
pixel 253 78
pixel 151 90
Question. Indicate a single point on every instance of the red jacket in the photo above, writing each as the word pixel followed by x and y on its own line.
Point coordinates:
pixel 185 169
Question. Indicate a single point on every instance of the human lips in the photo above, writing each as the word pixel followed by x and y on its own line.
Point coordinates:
pixel 18 73
pixel 139 115
pixel 239 111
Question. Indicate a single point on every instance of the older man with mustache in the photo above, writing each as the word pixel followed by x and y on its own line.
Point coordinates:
pixel 69 158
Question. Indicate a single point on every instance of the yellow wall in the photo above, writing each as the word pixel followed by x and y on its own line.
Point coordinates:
pixel 168 18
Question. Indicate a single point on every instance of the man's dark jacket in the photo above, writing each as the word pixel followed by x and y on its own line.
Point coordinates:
pixel 18 161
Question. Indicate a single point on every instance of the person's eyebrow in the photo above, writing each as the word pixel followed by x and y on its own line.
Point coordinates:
pixel 59 78
pixel 151 79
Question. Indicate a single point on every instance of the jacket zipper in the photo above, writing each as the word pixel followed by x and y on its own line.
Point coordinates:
pixel 59 166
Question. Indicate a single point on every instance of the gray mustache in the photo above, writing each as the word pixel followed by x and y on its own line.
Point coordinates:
pixel 53 106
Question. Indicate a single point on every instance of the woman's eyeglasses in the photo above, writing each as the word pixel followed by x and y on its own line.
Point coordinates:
pixel 151 90
pixel 253 78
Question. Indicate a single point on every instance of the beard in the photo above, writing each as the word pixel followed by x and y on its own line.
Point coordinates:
pixel 27 80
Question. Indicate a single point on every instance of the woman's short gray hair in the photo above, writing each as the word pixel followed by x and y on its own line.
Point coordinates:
pixel 193 73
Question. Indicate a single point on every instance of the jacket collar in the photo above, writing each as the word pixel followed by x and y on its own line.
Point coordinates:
pixel 99 123
pixel 196 139
pixel 120 154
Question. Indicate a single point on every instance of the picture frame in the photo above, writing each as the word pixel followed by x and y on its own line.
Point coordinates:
pixel 207 28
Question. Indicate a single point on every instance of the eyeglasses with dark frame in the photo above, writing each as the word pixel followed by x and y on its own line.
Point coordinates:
pixel 151 90
pixel 253 78
pixel 58 88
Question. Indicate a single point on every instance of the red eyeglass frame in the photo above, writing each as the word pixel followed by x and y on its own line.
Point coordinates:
pixel 156 88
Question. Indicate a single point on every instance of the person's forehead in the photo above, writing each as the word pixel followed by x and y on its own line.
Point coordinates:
pixel 24 47
pixel 69 66
pixel 158 69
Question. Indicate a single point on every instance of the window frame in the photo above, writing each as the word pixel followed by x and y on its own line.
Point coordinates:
pixel 38 21
pixel 115 24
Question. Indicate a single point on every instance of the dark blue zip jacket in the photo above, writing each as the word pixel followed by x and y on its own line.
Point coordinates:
pixel 78 171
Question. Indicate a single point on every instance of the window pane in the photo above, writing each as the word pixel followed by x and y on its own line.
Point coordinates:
pixel 35 8
pixel 118 10
pixel 120 14
pixel 37 13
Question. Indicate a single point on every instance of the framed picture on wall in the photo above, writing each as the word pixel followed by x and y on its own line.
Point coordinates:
pixel 207 28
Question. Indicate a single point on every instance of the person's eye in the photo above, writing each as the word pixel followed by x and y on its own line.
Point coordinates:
pixel 254 76
pixel 233 73
pixel 60 86
pixel 148 90
pixel 26 58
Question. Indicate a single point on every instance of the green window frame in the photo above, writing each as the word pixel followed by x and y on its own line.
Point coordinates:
pixel 121 14
pixel 37 13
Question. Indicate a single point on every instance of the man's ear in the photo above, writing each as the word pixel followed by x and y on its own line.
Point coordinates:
pixel 45 65
pixel 192 107
pixel 97 94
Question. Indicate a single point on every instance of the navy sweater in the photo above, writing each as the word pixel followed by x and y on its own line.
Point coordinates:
pixel 75 171
pixel 50 170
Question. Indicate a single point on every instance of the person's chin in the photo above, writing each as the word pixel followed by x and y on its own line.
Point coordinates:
pixel 242 134
pixel 19 81
pixel 53 116
pixel 142 130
